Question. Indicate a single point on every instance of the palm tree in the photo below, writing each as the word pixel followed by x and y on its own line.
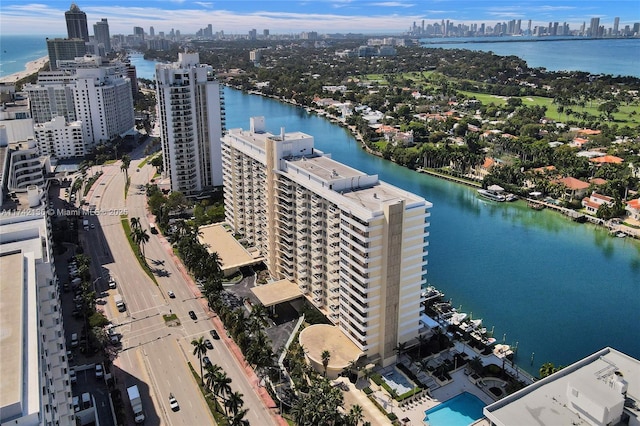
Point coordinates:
pixel 401 349
pixel 135 222
pixel 422 339
pixel 355 415
pixel 326 356
pixel 126 161
pixel 259 317
pixel 210 375
pixel 547 369
pixel 238 419
pixel 199 349
pixel 140 237
pixel 234 403
pixel 221 385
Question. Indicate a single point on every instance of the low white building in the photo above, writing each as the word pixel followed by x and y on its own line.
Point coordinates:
pixel 601 389
pixel 59 138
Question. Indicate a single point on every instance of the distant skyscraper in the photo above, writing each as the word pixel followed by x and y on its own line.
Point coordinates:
pixel 76 23
pixel 253 34
pixel 190 110
pixel 152 32
pixel 616 25
pixel 138 31
pixel 594 28
pixel 101 33
pixel 64 49
pixel 265 33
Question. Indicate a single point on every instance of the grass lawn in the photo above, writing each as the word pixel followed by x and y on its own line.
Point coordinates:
pixel 623 118
pixel 126 226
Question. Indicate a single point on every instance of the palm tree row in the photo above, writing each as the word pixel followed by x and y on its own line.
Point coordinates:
pixel 215 380
pixel 320 406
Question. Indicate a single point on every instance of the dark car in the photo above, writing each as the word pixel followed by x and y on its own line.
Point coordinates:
pixel 192 315
pixel 206 361
pixel 208 344
pixel 215 335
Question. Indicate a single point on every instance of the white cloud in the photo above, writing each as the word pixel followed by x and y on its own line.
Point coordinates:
pixel 392 4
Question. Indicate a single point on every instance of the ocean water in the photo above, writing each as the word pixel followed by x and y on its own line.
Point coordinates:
pixel 598 56
pixel 16 51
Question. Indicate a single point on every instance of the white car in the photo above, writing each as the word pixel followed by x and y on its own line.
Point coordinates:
pixel 112 283
pixel 173 402
pixel 99 371
pixel 171 294
pixel 72 375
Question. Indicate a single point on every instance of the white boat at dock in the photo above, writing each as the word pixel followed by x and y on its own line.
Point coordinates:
pixel 493 193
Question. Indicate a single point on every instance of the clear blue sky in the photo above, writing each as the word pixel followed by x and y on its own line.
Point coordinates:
pixel 291 16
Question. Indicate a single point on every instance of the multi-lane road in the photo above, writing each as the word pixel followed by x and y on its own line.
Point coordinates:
pixel 155 355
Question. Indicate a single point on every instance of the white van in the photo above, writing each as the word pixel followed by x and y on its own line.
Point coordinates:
pixel 74 340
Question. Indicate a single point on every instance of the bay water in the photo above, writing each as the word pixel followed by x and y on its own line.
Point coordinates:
pixel 615 56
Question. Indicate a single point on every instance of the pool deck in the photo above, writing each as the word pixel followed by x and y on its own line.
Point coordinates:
pixel 460 383
pixel 414 411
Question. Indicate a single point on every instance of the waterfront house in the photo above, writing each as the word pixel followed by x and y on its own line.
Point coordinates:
pixel 573 188
pixel 593 203
pixel 633 208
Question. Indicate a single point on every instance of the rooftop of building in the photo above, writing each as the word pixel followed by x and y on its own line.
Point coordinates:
pixel 594 378
pixel 332 179
pixel 234 255
pixel 11 335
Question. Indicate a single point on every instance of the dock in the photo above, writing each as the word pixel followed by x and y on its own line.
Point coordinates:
pixel 450 178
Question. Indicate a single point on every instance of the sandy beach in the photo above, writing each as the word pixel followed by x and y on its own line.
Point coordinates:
pixel 30 68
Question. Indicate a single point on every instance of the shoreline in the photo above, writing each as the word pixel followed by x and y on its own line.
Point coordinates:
pixel 629 231
pixel 30 68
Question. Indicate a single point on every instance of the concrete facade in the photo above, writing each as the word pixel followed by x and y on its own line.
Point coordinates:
pixel 355 246
pixel 191 113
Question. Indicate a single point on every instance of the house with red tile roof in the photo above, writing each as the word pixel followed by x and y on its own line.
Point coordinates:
pixel 633 208
pixel 597 181
pixel 574 188
pixel 607 159
pixel 578 142
pixel 589 132
pixel 593 203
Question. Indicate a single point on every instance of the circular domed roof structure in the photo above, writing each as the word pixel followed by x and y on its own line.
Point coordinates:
pixel 323 337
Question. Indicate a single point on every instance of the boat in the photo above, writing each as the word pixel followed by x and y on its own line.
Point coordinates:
pixel 511 197
pixel 535 205
pixel 492 195
pixel 621 234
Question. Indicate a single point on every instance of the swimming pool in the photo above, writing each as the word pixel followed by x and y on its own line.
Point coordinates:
pixel 398 381
pixel 460 410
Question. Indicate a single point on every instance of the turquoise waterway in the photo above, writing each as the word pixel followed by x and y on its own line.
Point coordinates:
pixel 559 289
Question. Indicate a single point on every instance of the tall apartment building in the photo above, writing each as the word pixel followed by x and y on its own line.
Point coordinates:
pixel 52 97
pixel 64 49
pixel 35 387
pixel 104 104
pixel 76 23
pixel 355 246
pixel 191 114
pixel 101 34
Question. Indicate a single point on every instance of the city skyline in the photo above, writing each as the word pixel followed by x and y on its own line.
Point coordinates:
pixel 325 16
